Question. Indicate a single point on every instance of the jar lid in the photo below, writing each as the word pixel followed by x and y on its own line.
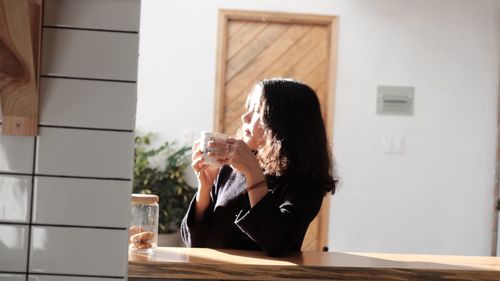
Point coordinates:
pixel 145 198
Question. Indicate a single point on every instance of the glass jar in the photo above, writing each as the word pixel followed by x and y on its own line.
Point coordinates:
pixel 143 231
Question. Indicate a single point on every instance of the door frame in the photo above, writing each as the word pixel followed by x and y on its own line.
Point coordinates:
pixel 331 22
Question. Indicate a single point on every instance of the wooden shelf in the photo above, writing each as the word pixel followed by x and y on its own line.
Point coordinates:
pixel 20 30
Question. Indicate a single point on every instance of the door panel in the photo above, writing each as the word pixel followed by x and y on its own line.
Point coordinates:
pixel 254 46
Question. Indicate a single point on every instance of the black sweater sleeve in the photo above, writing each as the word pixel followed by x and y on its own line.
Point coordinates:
pixel 276 225
pixel 193 233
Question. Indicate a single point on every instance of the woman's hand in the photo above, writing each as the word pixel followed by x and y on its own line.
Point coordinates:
pixel 206 176
pixel 204 173
pixel 236 153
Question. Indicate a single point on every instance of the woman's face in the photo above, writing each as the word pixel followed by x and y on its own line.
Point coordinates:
pixel 253 128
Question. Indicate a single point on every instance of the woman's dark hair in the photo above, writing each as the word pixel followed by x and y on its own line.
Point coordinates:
pixel 294 132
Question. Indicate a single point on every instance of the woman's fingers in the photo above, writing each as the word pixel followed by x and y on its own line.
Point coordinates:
pixel 203 168
pixel 239 156
pixel 218 149
pixel 196 154
pixel 196 150
pixel 222 153
pixel 224 161
pixel 197 164
pixel 212 145
pixel 196 146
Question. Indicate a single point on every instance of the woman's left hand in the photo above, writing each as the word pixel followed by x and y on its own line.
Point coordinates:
pixel 240 157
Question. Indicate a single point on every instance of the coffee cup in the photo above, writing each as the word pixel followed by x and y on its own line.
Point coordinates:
pixel 205 138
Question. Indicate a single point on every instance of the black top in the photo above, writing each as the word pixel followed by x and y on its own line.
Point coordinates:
pixel 277 223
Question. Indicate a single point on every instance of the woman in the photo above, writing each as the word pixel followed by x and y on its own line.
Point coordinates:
pixel 272 181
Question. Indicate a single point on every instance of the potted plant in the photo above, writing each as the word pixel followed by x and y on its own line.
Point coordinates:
pixel 160 171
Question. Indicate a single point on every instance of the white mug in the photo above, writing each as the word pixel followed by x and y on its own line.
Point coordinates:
pixel 205 138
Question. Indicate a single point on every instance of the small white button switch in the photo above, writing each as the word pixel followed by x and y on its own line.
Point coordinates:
pixel 393 144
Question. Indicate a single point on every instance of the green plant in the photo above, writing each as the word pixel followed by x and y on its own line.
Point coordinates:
pixel 160 171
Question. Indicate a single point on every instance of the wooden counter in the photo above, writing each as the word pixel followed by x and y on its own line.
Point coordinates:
pixel 211 264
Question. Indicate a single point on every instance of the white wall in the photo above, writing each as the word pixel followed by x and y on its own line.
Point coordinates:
pixel 433 198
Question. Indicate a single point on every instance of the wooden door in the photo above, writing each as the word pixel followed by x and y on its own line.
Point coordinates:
pixel 257 45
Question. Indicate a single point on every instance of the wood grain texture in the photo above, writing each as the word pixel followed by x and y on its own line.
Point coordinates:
pixel 253 48
pixel 220 77
pixel 212 264
pixel 243 37
pixel 234 28
pixel 261 66
pixel 237 89
pixel 20 29
pixel 258 45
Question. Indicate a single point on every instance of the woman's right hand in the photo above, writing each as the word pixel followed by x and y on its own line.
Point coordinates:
pixel 205 174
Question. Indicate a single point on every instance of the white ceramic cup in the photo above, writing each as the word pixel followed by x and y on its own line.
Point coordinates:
pixel 205 138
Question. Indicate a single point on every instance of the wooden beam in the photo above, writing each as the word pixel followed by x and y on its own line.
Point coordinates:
pixel 20 30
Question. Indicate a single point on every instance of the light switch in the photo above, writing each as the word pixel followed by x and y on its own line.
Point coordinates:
pixel 393 144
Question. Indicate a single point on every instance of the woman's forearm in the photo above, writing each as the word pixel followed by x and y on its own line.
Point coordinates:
pixel 255 195
pixel 256 186
pixel 202 202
